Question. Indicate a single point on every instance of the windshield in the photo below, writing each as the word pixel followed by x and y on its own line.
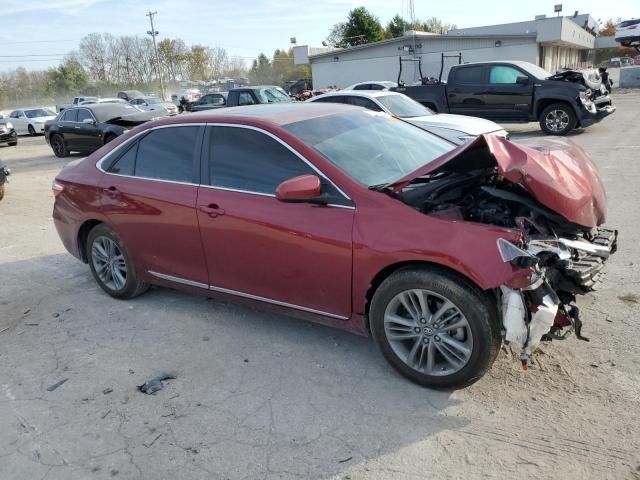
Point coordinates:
pixel 538 72
pixel 372 148
pixel 39 112
pixel 271 95
pixel 402 106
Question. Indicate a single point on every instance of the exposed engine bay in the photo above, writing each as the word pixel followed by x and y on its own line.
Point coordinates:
pixel 590 79
pixel 565 258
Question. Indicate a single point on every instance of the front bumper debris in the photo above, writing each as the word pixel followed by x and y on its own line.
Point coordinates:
pixel 589 118
pixel 546 310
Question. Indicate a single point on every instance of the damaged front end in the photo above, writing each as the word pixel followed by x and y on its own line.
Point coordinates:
pixel 550 193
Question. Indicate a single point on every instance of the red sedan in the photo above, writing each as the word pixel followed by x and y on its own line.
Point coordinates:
pixel 350 218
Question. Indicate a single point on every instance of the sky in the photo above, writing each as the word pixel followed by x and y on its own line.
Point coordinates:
pixel 37 34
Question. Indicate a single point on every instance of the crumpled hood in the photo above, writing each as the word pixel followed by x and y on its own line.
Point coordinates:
pixel 461 123
pixel 555 171
pixel 133 119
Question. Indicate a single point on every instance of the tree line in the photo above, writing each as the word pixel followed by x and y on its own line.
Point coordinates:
pixel 361 26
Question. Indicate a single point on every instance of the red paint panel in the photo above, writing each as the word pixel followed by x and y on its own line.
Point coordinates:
pixel 296 253
pixel 157 222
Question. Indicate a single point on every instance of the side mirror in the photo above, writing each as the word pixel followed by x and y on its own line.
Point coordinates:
pixel 89 121
pixel 522 80
pixel 304 188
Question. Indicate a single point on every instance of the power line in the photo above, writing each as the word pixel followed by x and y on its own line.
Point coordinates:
pixel 35 55
pixel 153 32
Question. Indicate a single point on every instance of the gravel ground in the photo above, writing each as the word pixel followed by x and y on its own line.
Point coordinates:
pixel 265 396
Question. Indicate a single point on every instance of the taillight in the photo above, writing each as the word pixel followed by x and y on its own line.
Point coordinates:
pixel 57 188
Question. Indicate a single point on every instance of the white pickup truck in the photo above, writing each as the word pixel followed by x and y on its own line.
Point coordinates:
pixel 74 102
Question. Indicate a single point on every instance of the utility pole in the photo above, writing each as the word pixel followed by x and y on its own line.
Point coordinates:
pixel 153 32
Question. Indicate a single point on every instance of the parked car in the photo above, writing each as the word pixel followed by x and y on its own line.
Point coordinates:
pixel 628 33
pixel 457 129
pixel 87 128
pixel 256 94
pixel 512 92
pixel 208 101
pixel 31 120
pixel 349 218
pixel 154 104
pixel 8 133
pixel 374 85
pixel 74 102
pixel 129 95
pixel 103 100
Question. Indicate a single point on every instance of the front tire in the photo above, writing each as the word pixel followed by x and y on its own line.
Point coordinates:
pixel 558 119
pixel 32 131
pixel 434 327
pixel 111 264
pixel 58 146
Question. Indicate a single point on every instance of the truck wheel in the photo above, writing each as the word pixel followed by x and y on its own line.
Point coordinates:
pixel 558 119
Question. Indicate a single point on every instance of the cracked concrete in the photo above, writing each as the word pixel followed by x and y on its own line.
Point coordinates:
pixel 310 402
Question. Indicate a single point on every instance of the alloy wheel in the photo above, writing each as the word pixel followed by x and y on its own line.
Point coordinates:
pixel 109 263
pixel 557 120
pixel 428 332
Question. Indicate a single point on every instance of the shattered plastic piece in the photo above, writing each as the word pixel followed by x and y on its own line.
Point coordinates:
pixel 513 315
pixel 542 321
pixel 51 388
pixel 155 384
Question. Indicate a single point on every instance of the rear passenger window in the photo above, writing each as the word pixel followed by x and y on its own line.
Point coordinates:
pixel 167 154
pixel 244 159
pixel 364 102
pixel 472 74
pixel 69 116
pixel 125 165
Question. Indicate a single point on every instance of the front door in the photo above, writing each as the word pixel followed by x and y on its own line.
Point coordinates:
pixel 87 135
pixel 292 254
pixel 149 194
pixel 506 98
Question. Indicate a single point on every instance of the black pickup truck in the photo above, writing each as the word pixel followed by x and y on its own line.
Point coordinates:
pixel 516 92
pixel 240 96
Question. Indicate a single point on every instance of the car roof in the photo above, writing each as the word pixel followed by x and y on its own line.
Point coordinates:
pixel 282 113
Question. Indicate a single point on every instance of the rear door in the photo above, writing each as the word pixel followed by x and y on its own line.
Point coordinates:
pixel 149 196
pixel 506 99
pixel 466 90
pixel 292 254
pixel 67 127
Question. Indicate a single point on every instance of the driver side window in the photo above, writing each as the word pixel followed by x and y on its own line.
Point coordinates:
pixel 504 75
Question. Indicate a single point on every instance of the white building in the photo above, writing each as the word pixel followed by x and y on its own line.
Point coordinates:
pixel 552 43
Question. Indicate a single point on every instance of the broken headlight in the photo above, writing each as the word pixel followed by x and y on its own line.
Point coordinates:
pixel 515 255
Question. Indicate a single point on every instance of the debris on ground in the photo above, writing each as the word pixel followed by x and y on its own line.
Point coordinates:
pixel 345 460
pixel 150 443
pixel 629 298
pixel 51 388
pixel 107 390
pixel 104 415
pixel 155 384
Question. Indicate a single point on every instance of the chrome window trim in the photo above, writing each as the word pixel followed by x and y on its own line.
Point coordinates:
pixel 250 296
pixel 216 124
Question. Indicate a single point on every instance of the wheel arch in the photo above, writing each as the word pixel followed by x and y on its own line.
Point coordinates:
pixel 545 102
pixel 386 272
pixel 83 235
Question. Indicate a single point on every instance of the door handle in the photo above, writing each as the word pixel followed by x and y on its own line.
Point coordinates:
pixel 213 210
pixel 77 126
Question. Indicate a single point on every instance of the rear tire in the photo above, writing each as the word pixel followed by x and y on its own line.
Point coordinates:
pixel 558 119
pixel 112 265
pixel 430 343
pixel 58 146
